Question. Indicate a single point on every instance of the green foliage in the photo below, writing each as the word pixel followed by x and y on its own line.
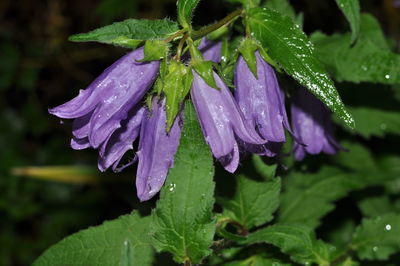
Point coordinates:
pixel 290 47
pixel 297 241
pixel 369 60
pixel 129 33
pixel 185 11
pixel 375 122
pixel 377 238
pixel 351 10
pixel 182 222
pixel 254 202
pixel 375 206
pixel 176 85
pixel 283 7
pixel 124 241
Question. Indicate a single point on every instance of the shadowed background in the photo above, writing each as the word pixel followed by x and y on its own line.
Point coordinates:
pixel 39 69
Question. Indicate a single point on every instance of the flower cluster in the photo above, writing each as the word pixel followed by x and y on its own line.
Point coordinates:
pixel 110 115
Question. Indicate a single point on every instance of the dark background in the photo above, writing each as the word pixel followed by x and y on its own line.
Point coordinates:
pixel 39 69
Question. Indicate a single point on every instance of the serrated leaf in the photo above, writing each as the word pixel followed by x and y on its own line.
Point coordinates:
pixel 185 11
pixel 266 171
pixel 351 10
pixel 377 238
pixel 375 122
pixel 298 241
pixel 118 242
pixel 369 60
pixel 182 221
pixel 308 197
pixel 289 46
pixel 129 33
pixel 254 202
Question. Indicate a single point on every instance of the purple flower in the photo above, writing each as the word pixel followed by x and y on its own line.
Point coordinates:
pixel 221 121
pixel 156 150
pixel 211 50
pixel 261 101
pixel 107 114
pixel 312 124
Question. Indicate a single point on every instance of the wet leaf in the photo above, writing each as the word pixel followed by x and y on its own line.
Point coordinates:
pixel 182 220
pixel 351 10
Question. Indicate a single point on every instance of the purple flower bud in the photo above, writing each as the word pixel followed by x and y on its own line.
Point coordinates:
pixel 100 108
pixel 221 121
pixel 312 124
pixel 211 50
pixel 156 151
pixel 261 100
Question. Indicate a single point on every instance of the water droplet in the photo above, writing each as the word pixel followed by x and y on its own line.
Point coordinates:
pixel 61 122
pixel 172 187
pixel 388 227
pixel 383 126
pixel 387 76
pixel 375 249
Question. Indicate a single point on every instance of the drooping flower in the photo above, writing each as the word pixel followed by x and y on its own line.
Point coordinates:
pixel 221 121
pixel 156 150
pixel 108 113
pixel 261 101
pixel 312 124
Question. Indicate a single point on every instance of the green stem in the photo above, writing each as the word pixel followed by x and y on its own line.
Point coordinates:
pixel 175 35
pixel 207 29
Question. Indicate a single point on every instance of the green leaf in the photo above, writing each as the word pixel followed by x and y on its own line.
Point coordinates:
pixel 129 33
pixel 176 86
pixel 254 202
pixel 289 46
pixel 124 241
pixel 283 7
pixel 375 122
pixel 375 206
pixel 246 3
pixel 256 261
pixel 308 197
pixel 369 60
pixel 377 238
pixel 185 11
pixel 351 10
pixel 264 170
pixel 298 241
pixel 247 49
pixel 206 72
pixel 182 220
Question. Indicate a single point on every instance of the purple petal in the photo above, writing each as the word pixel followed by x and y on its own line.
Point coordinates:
pixel 313 126
pixel 114 148
pixel 261 100
pixel 131 89
pixel 231 161
pixel 79 144
pixel 156 151
pixel 102 88
pixel 211 50
pixel 81 126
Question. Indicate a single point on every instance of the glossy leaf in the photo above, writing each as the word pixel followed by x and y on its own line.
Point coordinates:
pixel 377 238
pixel 129 33
pixel 290 48
pixel 295 240
pixel 182 220
pixel 254 202
pixel 185 11
pixel 124 241
pixel 283 7
pixel 351 10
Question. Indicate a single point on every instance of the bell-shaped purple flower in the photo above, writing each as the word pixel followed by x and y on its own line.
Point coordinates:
pixel 99 110
pixel 221 121
pixel 156 152
pixel 261 101
pixel 312 125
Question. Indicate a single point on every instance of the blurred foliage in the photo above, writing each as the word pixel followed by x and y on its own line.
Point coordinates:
pixel 40 69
